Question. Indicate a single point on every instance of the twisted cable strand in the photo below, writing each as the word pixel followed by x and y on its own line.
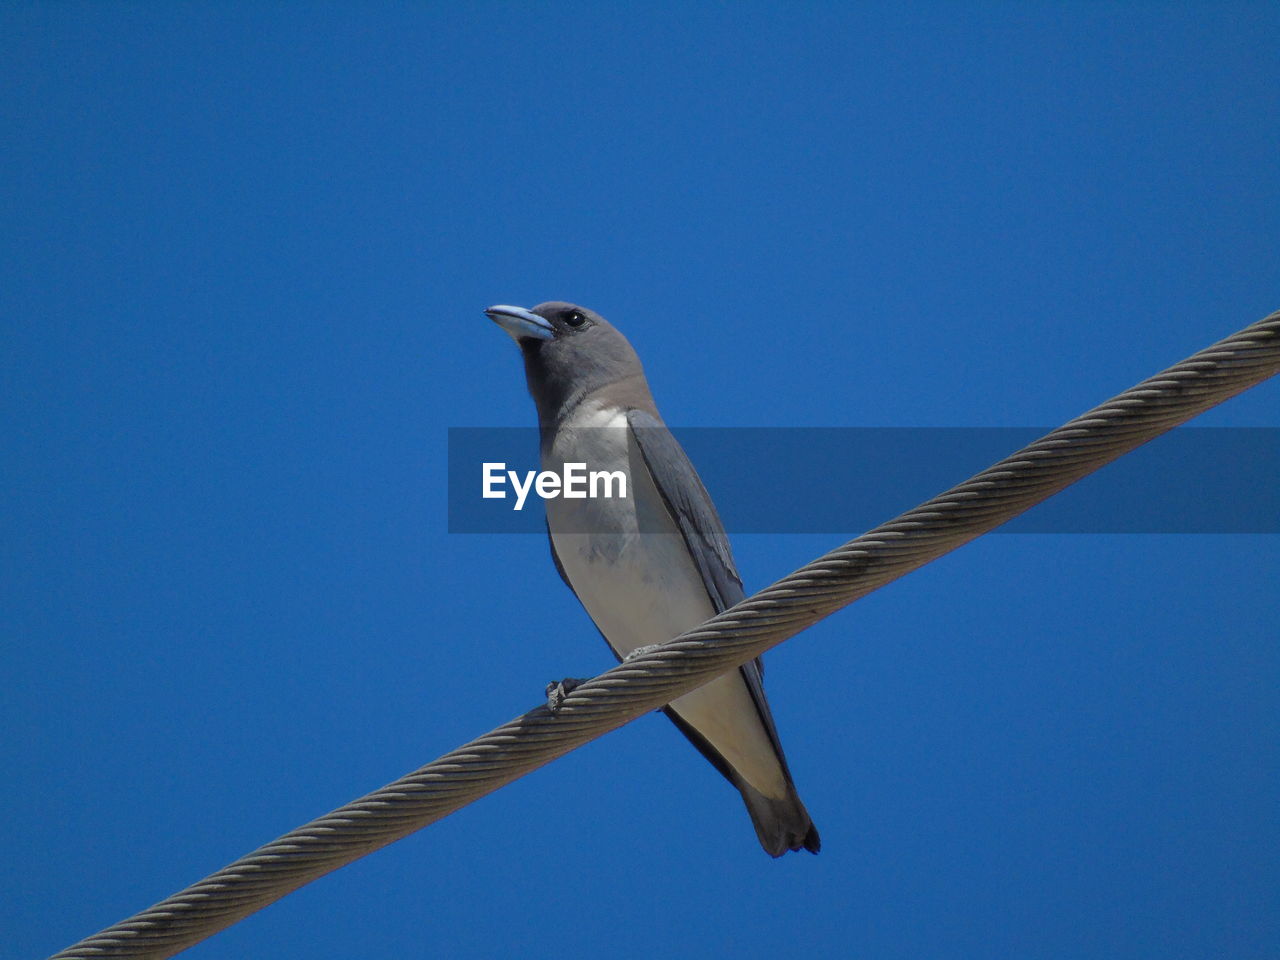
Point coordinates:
pixel 728 640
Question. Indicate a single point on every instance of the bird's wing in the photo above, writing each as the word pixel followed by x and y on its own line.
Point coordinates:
pixel 690 506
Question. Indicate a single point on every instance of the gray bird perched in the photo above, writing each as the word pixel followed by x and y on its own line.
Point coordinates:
pixel 656 563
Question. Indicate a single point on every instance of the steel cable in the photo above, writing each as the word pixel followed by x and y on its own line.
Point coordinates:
pixel 741 633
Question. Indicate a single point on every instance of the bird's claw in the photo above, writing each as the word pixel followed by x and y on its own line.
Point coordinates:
pixel 557 690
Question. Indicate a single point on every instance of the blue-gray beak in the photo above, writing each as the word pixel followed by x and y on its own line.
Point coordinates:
pixel 522 324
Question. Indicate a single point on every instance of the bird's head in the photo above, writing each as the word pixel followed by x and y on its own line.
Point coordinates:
pixel 569 352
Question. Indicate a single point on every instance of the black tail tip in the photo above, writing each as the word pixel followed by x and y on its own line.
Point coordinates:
pixel 795 843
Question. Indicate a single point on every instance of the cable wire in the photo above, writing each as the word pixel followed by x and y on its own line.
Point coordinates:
pixel 724 642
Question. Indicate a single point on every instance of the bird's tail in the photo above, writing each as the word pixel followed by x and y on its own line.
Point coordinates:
pixel 782 823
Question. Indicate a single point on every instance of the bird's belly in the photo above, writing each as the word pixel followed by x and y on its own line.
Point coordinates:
pixel 643 588
pixel 625 556
pixel 639 589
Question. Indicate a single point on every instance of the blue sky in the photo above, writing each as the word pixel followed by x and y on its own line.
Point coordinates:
pixel 247 253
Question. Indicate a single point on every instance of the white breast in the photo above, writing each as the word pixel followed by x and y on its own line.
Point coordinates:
pixel 631 569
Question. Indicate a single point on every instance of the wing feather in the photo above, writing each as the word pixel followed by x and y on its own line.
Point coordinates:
pixel 695 515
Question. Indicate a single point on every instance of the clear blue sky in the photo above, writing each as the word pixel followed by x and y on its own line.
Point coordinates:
pixel 246 255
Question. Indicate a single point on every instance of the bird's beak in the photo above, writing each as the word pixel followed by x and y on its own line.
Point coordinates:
pixel 522 324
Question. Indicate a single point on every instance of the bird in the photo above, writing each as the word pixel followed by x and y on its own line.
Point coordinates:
pixel 651 565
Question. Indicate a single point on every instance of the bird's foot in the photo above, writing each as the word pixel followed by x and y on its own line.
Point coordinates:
pixel 557 690
pixel 641 651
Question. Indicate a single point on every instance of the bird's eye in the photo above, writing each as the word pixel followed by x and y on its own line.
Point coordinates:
pixel 575 318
